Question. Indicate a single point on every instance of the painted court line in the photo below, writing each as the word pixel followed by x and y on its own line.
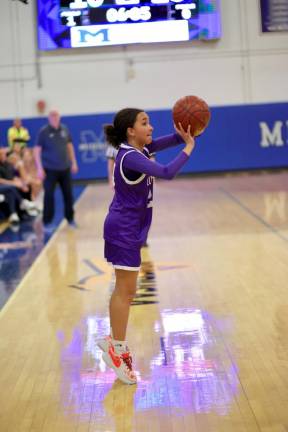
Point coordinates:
pixel 53 238
pixel 254 215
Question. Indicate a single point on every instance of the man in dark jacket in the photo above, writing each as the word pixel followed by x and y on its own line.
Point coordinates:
pixel 55 160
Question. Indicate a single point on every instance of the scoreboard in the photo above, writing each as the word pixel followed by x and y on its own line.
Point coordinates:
pixel 274 15
pixel 84 23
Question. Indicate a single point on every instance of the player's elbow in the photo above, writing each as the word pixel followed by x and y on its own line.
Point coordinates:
pixel 169 175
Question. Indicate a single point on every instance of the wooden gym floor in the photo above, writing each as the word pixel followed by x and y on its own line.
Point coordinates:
pixel 209 334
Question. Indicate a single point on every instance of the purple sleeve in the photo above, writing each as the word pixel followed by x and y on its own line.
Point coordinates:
pixel 136 161
pixel 165 142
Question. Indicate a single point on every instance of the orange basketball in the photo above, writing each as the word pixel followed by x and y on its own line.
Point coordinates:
pixel 193 111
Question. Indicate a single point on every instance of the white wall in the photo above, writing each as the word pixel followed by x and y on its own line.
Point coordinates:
pixel 245 66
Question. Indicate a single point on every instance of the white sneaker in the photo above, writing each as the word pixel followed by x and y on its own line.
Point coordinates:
pixel 38 206
pixel 32 212
pixel 120 362
pixel 14 218
pixel 104 343
pixel 14 227
pixel 122 365
pixel 27 205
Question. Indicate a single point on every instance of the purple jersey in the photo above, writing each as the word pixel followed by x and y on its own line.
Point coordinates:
pixel 130 213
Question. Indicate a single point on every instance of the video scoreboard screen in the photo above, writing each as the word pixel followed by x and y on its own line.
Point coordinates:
pixel 86 23
pixel 274 15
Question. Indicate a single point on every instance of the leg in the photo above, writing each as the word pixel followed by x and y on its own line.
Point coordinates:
pixel 12 197
pixel 65 182
pixel 36 186
pixel 26 195
pixel 116 353
pixel 121 298
pixel 12 202
pixel 50 182
pixel 9 201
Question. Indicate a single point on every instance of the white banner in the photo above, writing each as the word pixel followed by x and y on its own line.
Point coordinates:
pixel 114 34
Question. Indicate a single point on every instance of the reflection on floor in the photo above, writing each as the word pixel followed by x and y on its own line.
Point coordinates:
pixel 183 374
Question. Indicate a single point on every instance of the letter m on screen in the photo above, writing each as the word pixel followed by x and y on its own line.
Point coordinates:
pixel 96 35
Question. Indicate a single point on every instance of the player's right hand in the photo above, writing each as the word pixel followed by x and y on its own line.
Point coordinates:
pixel 187 138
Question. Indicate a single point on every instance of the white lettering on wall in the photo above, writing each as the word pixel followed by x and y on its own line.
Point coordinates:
pixel 271 137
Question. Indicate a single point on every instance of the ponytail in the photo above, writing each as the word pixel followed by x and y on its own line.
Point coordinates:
pixel 116 133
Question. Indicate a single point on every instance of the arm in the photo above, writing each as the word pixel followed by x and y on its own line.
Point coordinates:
pixel 16 182
pixel 26 136
pixel 7 182
pixel 37 157
pixel 135 161
pixel 23 174
pixel 111 154
pixel 10 137
pixel 165 142
pixel 18 165
pixel 71 154
pixel 110 168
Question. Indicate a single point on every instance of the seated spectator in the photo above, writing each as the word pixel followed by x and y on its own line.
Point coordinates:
pixel 23 162
pixel 17 134
pixel 13 205
pixel 12 185
pixel 8 175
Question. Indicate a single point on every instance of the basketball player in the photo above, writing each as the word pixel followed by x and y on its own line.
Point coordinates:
pixel 129 219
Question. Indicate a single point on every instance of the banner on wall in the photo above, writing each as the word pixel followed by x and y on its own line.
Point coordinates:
pixel 237 138
pixel 274 15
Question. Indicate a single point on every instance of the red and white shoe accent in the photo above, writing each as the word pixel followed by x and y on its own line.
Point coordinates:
pixel 120 362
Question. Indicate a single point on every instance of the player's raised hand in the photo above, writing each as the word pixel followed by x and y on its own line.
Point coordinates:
pixel 186 135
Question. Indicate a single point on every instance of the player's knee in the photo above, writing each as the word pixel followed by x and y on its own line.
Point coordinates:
pixel 131 291
pixel 127 292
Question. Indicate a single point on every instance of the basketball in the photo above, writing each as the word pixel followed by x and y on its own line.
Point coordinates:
pixel 193 111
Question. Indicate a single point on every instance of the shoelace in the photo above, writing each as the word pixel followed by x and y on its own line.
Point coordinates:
pixel 127 360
